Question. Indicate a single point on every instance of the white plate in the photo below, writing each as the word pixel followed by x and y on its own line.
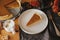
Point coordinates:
pixel 36 28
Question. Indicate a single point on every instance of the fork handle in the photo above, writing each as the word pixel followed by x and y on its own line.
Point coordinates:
pixel 57 31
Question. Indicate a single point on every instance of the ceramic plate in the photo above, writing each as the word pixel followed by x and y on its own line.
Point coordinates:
pixel 36 28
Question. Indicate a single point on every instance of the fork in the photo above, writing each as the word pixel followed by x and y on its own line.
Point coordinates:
pixel 56 29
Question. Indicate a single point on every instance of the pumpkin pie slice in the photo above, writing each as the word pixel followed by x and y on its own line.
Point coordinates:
pixel 35 18
pixel 7 3
pixel 4 11
pixel 14 4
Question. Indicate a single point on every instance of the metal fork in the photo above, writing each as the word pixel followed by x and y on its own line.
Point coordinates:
pixel 56 29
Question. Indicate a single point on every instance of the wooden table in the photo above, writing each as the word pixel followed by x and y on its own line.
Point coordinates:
pixel 16 36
